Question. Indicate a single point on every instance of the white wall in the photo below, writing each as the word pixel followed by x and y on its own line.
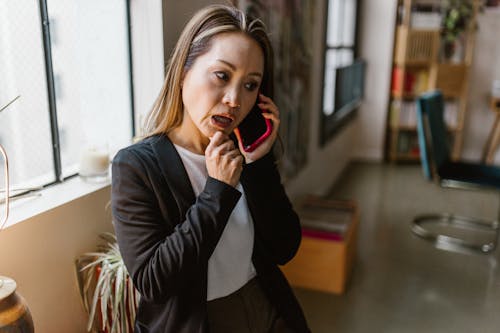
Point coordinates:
pixel 364 137
pixel 324 164
pixel 176 14
pixel 485 68
pixel 39 254
pixel 376 44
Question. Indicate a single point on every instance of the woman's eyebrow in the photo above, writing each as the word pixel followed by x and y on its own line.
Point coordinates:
pixel 233 67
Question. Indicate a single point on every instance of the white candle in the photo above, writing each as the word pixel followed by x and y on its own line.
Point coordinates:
pixel 94 162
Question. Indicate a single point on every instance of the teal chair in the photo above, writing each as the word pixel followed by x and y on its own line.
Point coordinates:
pixel 447 230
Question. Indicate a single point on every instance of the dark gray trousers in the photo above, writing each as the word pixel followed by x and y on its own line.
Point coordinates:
pixel 247 310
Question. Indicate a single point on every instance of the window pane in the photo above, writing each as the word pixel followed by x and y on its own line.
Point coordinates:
pixel 349 23
pixel 334 28
pixel 331 60
pixel 90 57
pixel 25 125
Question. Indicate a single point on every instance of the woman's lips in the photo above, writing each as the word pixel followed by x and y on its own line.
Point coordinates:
pixel 222 121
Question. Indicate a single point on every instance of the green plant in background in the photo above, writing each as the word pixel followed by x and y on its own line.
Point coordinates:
pixel 456 18
pixel 107 292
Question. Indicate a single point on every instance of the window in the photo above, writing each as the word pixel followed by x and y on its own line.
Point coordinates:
pixel 70 63
pixel 343 73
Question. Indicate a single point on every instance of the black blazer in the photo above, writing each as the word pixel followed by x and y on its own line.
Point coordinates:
pixel 166 235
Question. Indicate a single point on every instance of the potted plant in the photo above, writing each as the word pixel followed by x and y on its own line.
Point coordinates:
pixel 107 292
pixel 14 312
pixel 457 14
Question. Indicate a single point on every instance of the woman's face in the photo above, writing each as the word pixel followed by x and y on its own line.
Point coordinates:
pixel 222 85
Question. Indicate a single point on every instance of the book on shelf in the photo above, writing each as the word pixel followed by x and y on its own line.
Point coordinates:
pixel 408 115
pixel 410 82
pixel 403 143
pixel 423 14
pixel 421 82
pixel 408 145
pixel 396 80
pixel 395 110
pixel 426 20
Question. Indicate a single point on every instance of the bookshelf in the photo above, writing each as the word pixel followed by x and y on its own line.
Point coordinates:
pixel 422 61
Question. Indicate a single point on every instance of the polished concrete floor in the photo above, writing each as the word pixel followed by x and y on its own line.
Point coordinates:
pixel 402 283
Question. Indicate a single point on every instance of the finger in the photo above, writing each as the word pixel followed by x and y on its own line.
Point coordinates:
pixel 215 141
pixel 269 107
pixel 276 124
pixel 223 148
pixel 218 138
pixel 264 98
pixel 233 154
pixel 237 161
pixel 268 104
pixel 212 144
pixel 274 118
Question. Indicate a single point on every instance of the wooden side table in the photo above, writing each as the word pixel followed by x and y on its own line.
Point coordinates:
pixel 494 136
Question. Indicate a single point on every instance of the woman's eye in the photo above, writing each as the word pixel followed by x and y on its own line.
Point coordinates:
pixel 222 76
pixel 251 86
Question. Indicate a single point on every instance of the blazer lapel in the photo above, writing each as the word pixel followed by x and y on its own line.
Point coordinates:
pixel 173 171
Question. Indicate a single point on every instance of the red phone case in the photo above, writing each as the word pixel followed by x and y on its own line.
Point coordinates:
pixel 251 147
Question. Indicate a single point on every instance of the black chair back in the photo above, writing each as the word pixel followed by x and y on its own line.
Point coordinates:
pixel 449 231
pixel 432 132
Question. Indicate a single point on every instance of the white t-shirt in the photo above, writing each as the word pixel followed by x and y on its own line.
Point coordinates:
pixel 230 267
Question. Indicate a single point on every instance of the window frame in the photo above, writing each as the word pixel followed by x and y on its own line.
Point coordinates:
pixel 331 124
pixel 51 88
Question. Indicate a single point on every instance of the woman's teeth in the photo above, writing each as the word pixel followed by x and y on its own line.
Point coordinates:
pixel 222 120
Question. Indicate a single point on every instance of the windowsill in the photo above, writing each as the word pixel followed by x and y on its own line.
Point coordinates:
pixel 50 198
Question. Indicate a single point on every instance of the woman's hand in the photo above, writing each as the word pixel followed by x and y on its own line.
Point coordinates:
pixel 223 159
pixel 271 112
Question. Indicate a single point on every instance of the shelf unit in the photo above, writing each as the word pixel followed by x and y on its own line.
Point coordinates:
pixel 419 66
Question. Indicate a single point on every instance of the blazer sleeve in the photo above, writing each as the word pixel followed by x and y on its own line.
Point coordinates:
pixel 162 251
pixel 277 225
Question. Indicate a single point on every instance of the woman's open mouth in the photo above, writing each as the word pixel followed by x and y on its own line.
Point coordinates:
pixel 222 121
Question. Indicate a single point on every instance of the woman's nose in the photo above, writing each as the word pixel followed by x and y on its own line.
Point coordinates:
pixel 232 98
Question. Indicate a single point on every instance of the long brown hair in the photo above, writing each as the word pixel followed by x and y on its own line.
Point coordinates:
pixel 167 111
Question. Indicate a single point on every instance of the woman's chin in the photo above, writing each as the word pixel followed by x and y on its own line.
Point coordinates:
pixel 214 130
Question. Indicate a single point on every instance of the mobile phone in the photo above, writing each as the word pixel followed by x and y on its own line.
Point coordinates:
pixel 254 129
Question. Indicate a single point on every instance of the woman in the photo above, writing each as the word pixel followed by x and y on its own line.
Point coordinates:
pixel 202 224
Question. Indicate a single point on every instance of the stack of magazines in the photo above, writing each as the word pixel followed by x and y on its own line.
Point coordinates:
pixel 325 222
